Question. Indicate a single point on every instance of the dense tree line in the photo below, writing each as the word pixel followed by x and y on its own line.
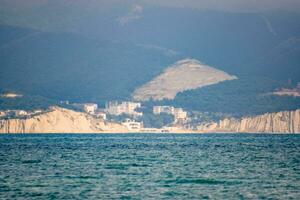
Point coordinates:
pixel 245 96
pixel 27 102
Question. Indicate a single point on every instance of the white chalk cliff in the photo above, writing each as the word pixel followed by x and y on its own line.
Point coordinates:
pixel 280 122
pixel 60 120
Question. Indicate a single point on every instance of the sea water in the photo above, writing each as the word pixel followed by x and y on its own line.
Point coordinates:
pixel 150 166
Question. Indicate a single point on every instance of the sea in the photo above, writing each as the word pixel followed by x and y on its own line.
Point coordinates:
pixel 149 166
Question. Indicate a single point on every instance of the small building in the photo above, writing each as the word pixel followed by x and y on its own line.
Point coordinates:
pixel 65 102
pixel 90 108
pixel 37 112
pixel 20 112
pixel 16 113
pixel 2 114
pixel 11 95
pixel 132 125
pixel 178 113
pixel 163 109
pixel 101 115
pixel 125 107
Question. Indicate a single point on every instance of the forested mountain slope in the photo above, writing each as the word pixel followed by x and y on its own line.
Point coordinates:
pixel 92 56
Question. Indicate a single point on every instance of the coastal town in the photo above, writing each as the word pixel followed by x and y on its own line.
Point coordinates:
pixel 142 117
pixel 130 115
pixel 127 113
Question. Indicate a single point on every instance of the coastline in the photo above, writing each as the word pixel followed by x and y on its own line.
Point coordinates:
pixel 64 121
pixel 154 133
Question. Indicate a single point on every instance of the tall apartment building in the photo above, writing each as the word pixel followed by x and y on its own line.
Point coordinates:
pixel 178 113
pixel 125 107
pixel 90 108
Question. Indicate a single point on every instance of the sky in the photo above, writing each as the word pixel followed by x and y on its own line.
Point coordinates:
pixel 233 5
pixel 223 5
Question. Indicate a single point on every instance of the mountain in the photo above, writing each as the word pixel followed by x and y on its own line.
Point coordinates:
pixel 84 53
pixel 183 75
pixel 67 66
pixel 238 43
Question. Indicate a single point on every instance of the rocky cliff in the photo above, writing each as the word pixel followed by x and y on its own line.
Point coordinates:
pixel 60 120
pixel 281 122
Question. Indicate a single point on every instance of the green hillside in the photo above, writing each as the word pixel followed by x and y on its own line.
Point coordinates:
pixel 63 66
pixel 85 55
pixel 244 96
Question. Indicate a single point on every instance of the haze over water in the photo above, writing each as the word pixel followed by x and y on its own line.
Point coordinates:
pixel 141 166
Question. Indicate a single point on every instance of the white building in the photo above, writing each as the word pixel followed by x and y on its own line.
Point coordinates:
pixel 125 107
pixel 101 115
pixel 11 95
pixel 20 112
pixel 163 109
pixel 37 111
pixel 132 125
pixel 178 113
pixel 90 108
pixel 2 114
pixel 65 102
pixel 16 113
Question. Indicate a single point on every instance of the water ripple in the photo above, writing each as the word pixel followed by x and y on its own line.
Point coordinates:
pixel 150 166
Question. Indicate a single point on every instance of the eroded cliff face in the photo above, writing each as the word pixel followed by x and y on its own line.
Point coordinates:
pixel 60 120
pixel 281 122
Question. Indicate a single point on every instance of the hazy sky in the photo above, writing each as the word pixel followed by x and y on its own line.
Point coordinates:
pixel 227 5
pixel 234 5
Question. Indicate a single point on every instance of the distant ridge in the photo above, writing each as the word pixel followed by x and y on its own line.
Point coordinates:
pixel 184 75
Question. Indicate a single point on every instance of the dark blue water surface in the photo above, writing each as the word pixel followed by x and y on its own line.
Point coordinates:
pixel 142 166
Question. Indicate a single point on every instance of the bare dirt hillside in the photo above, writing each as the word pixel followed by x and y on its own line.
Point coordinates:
pixel 183 75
